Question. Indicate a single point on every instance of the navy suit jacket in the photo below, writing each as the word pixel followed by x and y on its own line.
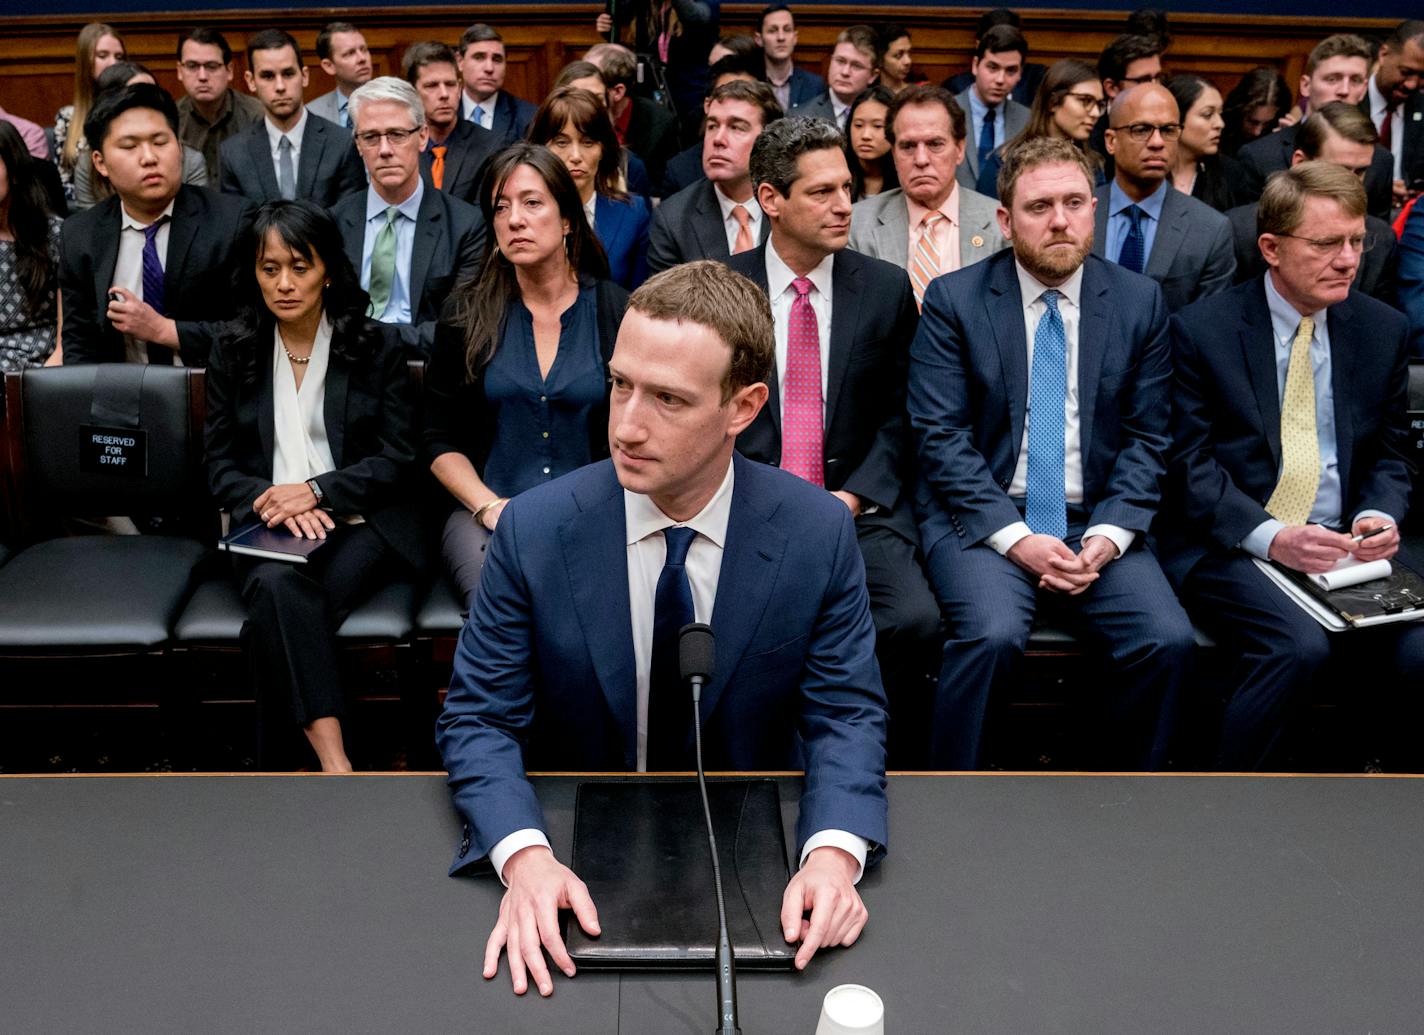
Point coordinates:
pixel 327 170
pixel 1226 418
pixel 449 244
pixel 805 86
pixel 511 118
pixel 688 226
pixel 866 450
pixel 544 675
pixel 1271 152
pixel 622 228
pixel 968 395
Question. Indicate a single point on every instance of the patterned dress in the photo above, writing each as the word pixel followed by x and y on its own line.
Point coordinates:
pixel 27 339
pixel 62 119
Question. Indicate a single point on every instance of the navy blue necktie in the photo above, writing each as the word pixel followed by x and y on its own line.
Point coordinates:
pixel 669 705
pixel 1046 510
pixel 153 290
pixel 1133 248
pixel 986 137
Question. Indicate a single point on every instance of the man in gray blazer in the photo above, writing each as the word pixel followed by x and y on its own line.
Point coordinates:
pixel 345 57
pixel 291 153
pixel 1144 224
pixel 929 225
pixel 994 117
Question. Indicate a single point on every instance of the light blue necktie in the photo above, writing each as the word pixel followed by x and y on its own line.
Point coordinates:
pixel 1134 244
pixel 1047 508
pixel 342 116
pixel 478 116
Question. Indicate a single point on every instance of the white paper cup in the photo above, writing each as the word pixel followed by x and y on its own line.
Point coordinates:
pixel 851 1010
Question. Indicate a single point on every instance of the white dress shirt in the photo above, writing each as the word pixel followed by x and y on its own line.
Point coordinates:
pixel 486 106
pixel 729 221
pixel 779 289
pixel 128 271
pixel 1378 106
pixel 589 207
pixel 647 551
pixel 300 449
pixel 1031 290
pixel 274 141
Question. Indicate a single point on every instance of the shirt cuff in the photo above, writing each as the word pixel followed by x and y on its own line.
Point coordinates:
pixel 1122 538
pixel 1258 541
pixel 1004 540
pixel 511 843
pixel 854 844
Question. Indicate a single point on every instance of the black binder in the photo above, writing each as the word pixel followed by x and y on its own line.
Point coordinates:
pixel 641 847
pixel 1396 598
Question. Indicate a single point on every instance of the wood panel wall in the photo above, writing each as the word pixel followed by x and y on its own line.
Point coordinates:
pixel 37 54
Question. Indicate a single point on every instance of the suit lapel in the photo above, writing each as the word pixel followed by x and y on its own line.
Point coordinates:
pixel 708 224
pixel 266 419
pixel 1005 311
pixel 430 223
pixel 773 383
pixel 181 236
pixel 845 325
pixel 334 407
pixel 596 561
pixel 1258 348
pixel 893 233
pixel 313 141
pixel 1092 344
pixel 751 560
pixel 1100 223
pixel 107 258
pixel 1342 378
pixel 1170 234
pixel 260 150
pixel 352 220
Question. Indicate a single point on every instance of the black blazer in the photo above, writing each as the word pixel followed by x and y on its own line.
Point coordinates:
pixel 652 136
pixel 873 319
pixel 329 167
pixel 456 417
pixel 467 148
pixel 368 408
pixel 1226 418
pixel 1271 152
pixel 688 226
pixel 1377 272
pixel 449 243
pixel 203 242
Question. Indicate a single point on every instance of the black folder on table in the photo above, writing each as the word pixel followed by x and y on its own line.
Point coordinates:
pixel 641 847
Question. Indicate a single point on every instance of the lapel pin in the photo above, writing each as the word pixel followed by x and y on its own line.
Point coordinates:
pixel 977 241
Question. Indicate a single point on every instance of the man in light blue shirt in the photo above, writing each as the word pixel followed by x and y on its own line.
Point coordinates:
pixel 997 67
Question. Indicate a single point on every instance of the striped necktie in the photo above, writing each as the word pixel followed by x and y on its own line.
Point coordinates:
pixel 925 265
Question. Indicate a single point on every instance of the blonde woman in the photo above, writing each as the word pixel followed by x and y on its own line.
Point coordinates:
pixel 99 46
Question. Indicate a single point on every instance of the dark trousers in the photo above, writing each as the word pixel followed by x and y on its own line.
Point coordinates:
pixel 1282 653
pixel 463 543
pixel 1129 615
pixel 907 636
pixel 293 612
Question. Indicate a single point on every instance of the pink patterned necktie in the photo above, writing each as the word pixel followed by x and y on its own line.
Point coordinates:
pixel 802 435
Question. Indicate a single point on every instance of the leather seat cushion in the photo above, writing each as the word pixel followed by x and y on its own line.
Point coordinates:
pixel 215 615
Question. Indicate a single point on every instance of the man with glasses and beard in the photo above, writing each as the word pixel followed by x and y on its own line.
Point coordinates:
pixel 1038 403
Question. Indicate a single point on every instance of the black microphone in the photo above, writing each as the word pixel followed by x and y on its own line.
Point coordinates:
pixel 696 653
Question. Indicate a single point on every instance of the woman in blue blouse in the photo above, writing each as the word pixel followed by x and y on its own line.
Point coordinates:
pixel 574 124
pixel 517 386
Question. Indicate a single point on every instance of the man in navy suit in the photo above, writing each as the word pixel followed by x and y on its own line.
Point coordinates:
pixel 1266 466
pixel 486 103
pixel 777 39
pixel 569 658
pixel 1038 400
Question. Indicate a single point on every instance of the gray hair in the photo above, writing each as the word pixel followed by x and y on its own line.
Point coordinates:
pixel 775 153
pixel 386 88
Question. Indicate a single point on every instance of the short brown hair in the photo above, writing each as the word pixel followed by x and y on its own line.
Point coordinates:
pixel 419 56
pixel 1282 204
pixel 758 95
pixel 736 310
pixel 864 39
pixel 925 93
pixel 1344 120
pixel 1342 44
pixel 1030 154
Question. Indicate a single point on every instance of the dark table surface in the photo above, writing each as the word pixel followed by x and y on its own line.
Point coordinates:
pixel 1008 904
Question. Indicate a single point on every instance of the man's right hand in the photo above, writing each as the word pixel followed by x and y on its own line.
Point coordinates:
pixel 1058 568
pixel 539 886
pixel 603 22
pixel 1309 548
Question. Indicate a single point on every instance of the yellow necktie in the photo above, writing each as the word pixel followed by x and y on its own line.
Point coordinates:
pixel 1294 496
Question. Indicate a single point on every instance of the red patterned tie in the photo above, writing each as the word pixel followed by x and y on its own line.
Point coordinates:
pixel 802 435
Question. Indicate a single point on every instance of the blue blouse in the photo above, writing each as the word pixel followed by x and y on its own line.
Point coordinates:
pixel 543 422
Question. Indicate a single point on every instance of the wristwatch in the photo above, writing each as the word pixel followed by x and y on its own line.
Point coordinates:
pixel 316 491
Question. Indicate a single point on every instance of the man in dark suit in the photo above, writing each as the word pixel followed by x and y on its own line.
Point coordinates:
pixel 1038 401
pixel 836 409
pixel 776 35
pixel 457 148
pixel 1342 134
pixel 1026 89
pixel 485 102
pixel 643 126
pixel 994 117
pixel 1394 103
pixel 1142 222
pixel 1289 436
pixel 718 216
pixel 290 153
pixel 146 276
pixel 568 658
pixel 411 244
pixel 685 168
pixel 853 67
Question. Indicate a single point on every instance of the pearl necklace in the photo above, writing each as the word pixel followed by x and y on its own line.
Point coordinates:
pixel 299 360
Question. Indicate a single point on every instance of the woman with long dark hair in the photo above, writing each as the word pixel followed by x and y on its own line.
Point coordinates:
pixel 1068 104
pixel 29 259
pixel 98 47
pixel 517 389
pixel 1253 108
pixel 309 433
pixel 1199 168
pixel 867 151
pixel 574 124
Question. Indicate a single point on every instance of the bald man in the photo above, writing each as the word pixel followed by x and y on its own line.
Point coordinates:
pixel 1143 223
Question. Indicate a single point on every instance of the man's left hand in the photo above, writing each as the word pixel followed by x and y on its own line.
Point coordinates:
pixel 1376 547
pixel 131 315
pixel 1096 551
pixel 825 887
pixel 851 500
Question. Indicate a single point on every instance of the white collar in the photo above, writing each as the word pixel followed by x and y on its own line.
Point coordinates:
pixel 642 516
pixel 588 209
pixel 275 135
pixel 1030 287
pixel 130 223
pixel 1378 104
pixel 779 275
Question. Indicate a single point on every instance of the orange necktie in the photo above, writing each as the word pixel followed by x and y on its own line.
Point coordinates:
pixel 743 242
pixel 437 168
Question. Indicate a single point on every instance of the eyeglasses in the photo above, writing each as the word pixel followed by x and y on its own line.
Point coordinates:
pixel 1330 245
pixel 370 139
pixel 210 67
pixel 1141 132
pixel 1094 104
pixel 1138 80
